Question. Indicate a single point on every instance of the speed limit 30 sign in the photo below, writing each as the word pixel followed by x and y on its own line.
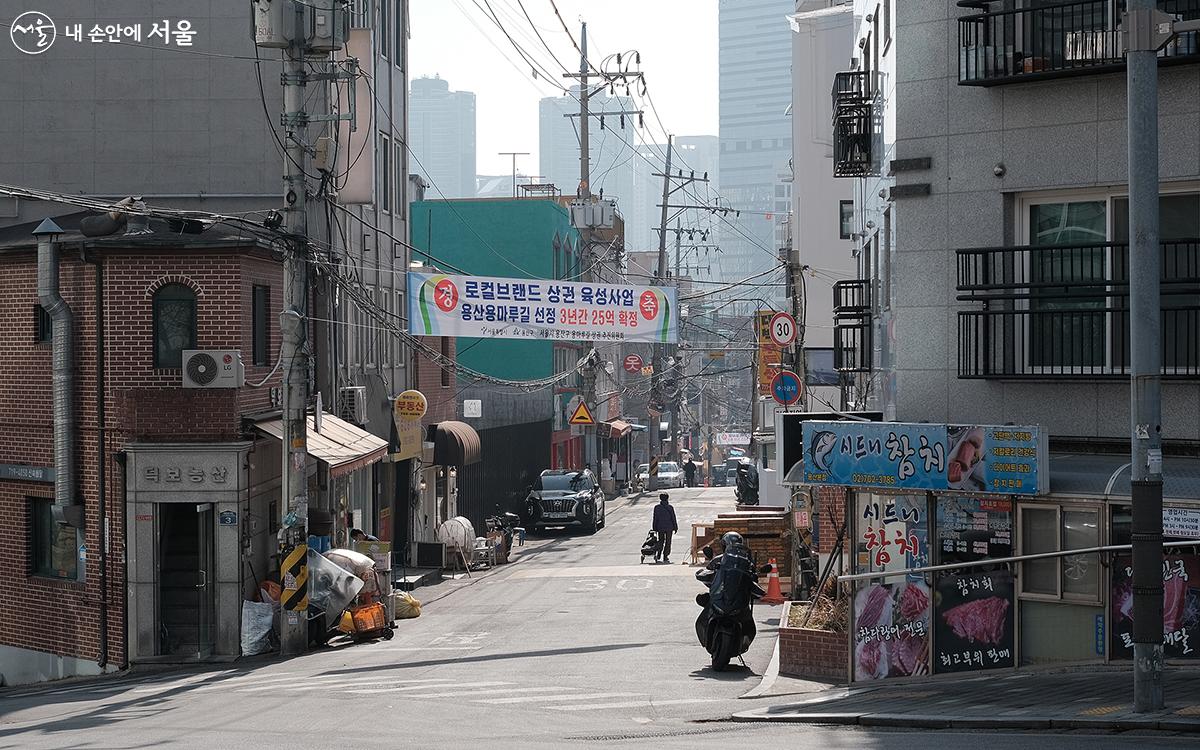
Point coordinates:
pixel 783 329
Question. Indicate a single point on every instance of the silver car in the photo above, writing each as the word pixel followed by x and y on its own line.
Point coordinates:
pixel 670 474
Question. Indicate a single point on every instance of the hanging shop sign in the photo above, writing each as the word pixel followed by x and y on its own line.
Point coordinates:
pixel 1181 607
pixel 902 456
pixel 489 307
pixel 633 364
pixel 410 406
pixel 732 438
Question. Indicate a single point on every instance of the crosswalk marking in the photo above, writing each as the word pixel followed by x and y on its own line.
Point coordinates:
pixel 461 686
pixel 555 699
pixel 636 704
pixel 506 690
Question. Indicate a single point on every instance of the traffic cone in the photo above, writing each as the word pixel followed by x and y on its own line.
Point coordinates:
pixel 774 593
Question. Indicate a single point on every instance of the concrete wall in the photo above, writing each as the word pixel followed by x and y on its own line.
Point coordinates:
pixel 1065 134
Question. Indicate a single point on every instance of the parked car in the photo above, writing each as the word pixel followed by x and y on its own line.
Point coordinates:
pixel 641 479
pixel 670 474
pixel 566 497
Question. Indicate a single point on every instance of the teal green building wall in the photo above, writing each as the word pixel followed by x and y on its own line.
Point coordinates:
pixel 511 238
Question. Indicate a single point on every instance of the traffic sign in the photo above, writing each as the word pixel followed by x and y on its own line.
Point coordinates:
pixel 783 329
pixel 582 415
pixel 786 387
pixel 633 364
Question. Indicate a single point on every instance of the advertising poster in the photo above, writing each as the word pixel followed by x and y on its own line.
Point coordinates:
pixel 892 532
pixel 974 621
pixel 1181 607
pixel 769 353
pixel 901 456
pixel 891 630
pixel 973 528
pixel 498 308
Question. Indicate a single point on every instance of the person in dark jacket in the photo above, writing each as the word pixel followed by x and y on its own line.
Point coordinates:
pixel 689 472
pixel 665 524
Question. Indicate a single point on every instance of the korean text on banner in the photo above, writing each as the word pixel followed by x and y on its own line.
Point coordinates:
pixel 488 307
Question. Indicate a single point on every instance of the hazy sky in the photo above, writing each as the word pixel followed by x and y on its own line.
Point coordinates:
pixel 456 40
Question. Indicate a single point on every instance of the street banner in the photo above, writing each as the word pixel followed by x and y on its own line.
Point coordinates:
pixel 489 307
pixel 897 456
pixel 732 438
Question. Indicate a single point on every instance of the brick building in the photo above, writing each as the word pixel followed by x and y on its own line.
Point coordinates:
pixel 177 486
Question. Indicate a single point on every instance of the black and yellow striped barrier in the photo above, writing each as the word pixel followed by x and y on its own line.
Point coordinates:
pixel 295 579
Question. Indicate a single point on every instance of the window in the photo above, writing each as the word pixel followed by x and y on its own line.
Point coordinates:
pixel 43 325
pixel 174 324
pixel 400 35
pixel 1055 528
pixel 360 14
pixel 55 545
pixel 385 173
pixel 260 322
pixel 446 374
pixel 385 29
pixel 846 218
pixel 818 367
pixel 885 261
pixel 398 168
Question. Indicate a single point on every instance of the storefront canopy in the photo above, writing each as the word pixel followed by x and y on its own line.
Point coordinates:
pixel 1101 475
pixel 454 444
pixel 339 444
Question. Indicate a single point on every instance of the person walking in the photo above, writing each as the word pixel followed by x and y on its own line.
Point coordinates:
pixel 665 525
pixel 689 472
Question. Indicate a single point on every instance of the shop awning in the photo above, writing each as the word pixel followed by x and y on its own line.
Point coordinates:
pixel 1091 474
pixel 617 428
pixel 339 444
pixel 454 444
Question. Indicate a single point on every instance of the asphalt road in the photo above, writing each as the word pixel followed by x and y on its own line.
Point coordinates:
pixel 576 643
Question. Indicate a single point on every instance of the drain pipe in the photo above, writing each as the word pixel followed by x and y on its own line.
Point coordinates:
pixel 101 455
pixel 66 510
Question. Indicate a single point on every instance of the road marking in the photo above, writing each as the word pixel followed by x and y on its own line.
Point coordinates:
pixel 557 698
pixel 638 704
pixel 469 693
pixel 612 571
pixel 426 687
pixel 359 683
pixel 429 648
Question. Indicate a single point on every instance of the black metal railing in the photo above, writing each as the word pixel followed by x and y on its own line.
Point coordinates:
pixel 1063 311
pixel 853 124
pixel 1052 41
pixel 852 325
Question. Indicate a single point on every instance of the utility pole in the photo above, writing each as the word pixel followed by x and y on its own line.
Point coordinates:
pixel 584 194
pixel 514 155
pixel 293 325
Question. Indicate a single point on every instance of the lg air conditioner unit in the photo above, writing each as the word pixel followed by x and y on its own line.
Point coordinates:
pixel 207 368
pixel 352 404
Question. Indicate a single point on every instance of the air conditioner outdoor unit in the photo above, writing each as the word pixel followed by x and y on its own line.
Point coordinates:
pixel 209 368
pixel 352 404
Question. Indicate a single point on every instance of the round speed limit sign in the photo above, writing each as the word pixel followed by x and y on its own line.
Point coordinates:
pixel 783 329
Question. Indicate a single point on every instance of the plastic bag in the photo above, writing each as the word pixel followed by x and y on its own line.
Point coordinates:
pixel 258 618
pixel 405 605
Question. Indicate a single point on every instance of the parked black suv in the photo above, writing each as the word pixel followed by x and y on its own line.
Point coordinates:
pixel 565 497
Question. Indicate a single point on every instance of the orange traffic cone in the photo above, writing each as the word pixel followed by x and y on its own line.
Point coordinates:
pixel 774 593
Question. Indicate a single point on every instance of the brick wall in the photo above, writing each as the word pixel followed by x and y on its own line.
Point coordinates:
pixel 142 403
pixel 830 501
pixel 819 654
pixel 430 379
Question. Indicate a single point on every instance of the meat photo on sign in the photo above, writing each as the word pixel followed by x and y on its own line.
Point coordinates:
pixel 967 467
pixel 891 630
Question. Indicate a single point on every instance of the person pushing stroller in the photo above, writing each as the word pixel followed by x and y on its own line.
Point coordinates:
pixel 664 525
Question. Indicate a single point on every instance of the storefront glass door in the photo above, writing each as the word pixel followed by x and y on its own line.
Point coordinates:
pixel 205 581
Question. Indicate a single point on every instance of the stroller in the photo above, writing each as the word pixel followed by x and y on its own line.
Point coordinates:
pixel 652 547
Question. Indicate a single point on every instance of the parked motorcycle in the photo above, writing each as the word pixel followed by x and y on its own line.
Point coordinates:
pixel 747 484
pixel 726 625
pixel 507 524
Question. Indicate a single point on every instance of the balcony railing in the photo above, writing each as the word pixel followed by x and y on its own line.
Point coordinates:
pixel 853 124
pixel 1052 41
pixel 1063 311
pixel 852 343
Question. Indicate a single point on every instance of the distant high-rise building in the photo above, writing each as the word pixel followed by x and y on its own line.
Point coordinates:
pixel 441 127
pixel 692 153
pixel 611 146
pixel 756 137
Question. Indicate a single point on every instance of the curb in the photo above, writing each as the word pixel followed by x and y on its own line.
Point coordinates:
pixel 926 721
pixel 770 675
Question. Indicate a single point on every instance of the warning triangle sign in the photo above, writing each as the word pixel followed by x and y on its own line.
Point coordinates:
pixel 582 415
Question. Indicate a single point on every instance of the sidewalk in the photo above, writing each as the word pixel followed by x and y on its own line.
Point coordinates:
pixel 1095 699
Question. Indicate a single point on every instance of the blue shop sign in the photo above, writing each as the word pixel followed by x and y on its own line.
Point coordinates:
pixel 902 456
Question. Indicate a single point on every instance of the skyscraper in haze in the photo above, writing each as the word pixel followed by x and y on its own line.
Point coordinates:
pixel 755 131
pixel 611 147
pixel 441 127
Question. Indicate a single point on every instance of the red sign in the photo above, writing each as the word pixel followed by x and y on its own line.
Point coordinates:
pixel 633 364
pixel 445 294
pixel 649 305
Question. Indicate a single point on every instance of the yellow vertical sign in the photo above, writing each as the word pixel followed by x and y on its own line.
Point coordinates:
pixel 770 355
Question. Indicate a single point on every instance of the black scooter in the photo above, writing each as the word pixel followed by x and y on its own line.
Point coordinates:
pixel 726 626
pixel 747 484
